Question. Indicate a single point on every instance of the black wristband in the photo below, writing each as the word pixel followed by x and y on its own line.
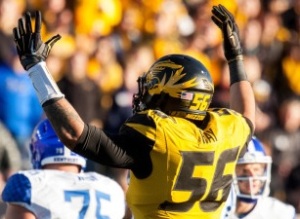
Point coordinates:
pixel 237 71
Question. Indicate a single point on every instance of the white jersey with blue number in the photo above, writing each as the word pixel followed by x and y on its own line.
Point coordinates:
pixel 56 194
pixel 265 208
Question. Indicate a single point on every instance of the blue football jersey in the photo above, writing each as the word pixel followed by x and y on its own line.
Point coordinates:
pixel 50 194
pixel 265 208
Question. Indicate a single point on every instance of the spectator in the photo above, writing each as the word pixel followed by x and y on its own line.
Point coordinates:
pixel 284 141
pixel 292 188
pixel 10 158
pixel 20 110
pixel 290 18
pixel 100 17
pixel 11 10
pixel 80 90
pixel 289 74
pixel 106 71
pixel 138 60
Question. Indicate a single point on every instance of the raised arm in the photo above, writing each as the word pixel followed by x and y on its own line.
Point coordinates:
pixel 33 53
pixel 241 93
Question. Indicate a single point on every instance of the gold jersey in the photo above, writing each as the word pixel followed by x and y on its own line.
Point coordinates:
pixel 191 165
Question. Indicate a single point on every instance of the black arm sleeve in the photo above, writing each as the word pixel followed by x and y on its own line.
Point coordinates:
pixel 95 145
pixel 129 149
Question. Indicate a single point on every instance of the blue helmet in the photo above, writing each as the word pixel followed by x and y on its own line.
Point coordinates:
pixel 255 154
pixel 46 148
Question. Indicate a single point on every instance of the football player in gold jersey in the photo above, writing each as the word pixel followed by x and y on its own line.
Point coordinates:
pixel 181 154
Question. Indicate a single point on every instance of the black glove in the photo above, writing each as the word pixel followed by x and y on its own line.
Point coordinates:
pixel 30 47
pixel 225 21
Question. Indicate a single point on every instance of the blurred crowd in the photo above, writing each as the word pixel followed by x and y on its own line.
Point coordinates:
pixel 107 44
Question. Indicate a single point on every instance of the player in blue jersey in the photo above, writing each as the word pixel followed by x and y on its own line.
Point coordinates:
pixel 58 187
pixel 249 197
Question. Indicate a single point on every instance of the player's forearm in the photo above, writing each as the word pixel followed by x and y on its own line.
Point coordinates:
pixel 63 117
pixel 242 99
pixel 241 93
pixel 65 120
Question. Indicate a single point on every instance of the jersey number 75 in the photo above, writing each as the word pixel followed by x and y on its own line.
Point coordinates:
pixel 85 195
